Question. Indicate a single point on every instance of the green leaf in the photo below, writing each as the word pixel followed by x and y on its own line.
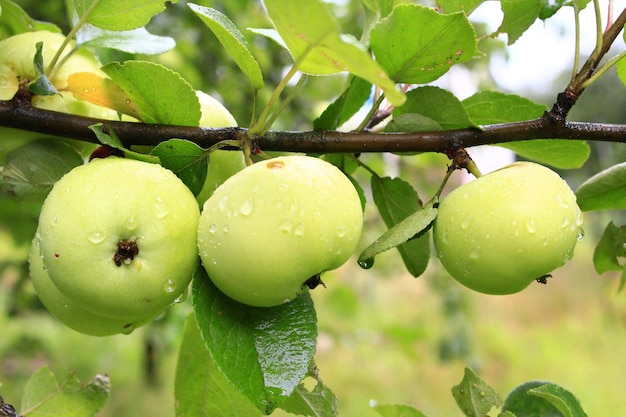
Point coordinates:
pixel 397 410
pixel 549 8
pixel 610 253
pixel 474 396
pixel 199 388
pixel 41 85
pixel 604 191
pixel 44 396
pixel 396 200
pixel 316 402
pixel 411 227
pixel 560 398
pixel 136 41
pixel 520 403
pixel 264 352
pixel 186 159
pixel 490 107
pixel 429 107
pixel 465 6
pixel 119 14
pixel 345 106
pixel 232 40
pixel 15 20
pixel 31 170
pixel 312 35
pixel 161 94
pixel 417 45
pixel 519 15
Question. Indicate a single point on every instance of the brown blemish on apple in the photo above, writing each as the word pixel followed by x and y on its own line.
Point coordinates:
pixel 275 164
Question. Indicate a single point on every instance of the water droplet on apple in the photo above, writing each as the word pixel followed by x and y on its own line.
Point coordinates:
pixel 581 234
pixel 161 209
pixel 283 188
pixel 131 223
pixel 366 263
pixel 466 222
pixel 565 223
pixel 247 207
pixel 299 229
pixel 341 230
pixel 54 220
pixel 285 227
pixel 181 298
pixel 213 228
pixel 531 226
pixel 475 253
pixel 226 229
pixel 96 237
pixel 223 203
pixel 546 240
pixel 561 202
pixel 170 285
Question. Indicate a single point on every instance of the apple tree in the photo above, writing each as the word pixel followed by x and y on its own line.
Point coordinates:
pixel 137 190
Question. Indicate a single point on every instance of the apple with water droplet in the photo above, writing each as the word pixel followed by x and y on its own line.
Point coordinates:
pixel 118 237
pixel 68 312
pixel 500 232
pixel 269 231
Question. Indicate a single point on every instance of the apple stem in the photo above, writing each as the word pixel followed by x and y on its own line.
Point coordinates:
pixel 472 168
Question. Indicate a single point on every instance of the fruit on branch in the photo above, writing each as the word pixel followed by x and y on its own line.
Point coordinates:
pixel 16 66
pixel 502 231
pixel 118 237
pixel 69 313
pixel 222 164
pixel 268 232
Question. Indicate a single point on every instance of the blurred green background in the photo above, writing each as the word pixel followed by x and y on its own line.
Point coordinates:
pixel 385 336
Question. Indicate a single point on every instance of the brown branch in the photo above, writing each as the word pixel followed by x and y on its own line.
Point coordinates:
pixel 77 127
pixel 567 99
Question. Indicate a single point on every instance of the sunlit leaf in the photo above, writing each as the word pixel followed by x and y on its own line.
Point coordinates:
pixel 417 45
pixel 101 91
pixel 161 95
pixel 136 41
pixel 560 398
pixel 520 403
pixel 15 20
pixel 397 410
pixel 312 35
pixel 315 402
pixel 465 6
pixel 119 14
pixel 233 41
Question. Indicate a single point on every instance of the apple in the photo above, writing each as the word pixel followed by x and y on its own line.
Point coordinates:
pixel 16 66
pixel 502 231
pixel 269 231
pixel 118 237
pixel 69 313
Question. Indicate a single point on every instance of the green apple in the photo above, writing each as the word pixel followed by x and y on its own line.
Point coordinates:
pixel 69 313
pixel 500 232
pixel 270 230
pixel 118 237
pixel 16 66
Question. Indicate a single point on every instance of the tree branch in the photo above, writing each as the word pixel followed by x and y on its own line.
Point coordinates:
pixel 48 122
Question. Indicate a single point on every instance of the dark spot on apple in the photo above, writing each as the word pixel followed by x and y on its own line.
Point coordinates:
pixel 56 254
pixel 314 281
pixel 126 251
pixel 543 279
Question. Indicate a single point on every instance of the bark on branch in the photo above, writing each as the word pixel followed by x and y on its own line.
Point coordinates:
pixel 77 127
